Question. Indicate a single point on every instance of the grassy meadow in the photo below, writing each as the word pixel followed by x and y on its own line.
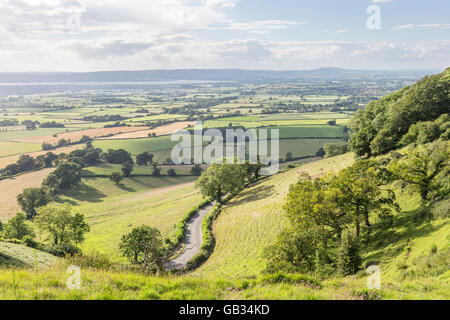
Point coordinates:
pixel 113 211
pixel 256 214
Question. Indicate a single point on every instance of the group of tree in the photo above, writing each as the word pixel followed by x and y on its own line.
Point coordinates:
pixel 63 143
pixel 105 118
pixel 334 149
pixel 328 219
pixel 227 177
pixel 387 124
pixel 144 159
pixel 144 246
pixel 27 163
pixel 63 228
pixel 52 124
pixel 64 176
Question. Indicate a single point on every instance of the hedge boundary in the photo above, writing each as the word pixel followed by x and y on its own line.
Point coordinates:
pixel 208 239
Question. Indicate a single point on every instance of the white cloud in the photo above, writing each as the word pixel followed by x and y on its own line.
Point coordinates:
pixel 264 25
pixel 430 25
pixel 222 3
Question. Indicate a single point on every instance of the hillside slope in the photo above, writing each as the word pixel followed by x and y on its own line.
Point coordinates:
pixel 17 255
pixel 252 220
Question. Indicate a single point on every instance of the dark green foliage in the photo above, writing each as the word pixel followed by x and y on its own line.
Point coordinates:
pixel 220 179
pixel 171 173
pixel 65 175
pixel 144 245
pixel 349 255
pixel 32 198
pixel 289 156
pixel 116 177
pixel 144 158
pixel 52 124
pixel 17 228
pixel 423 170
pixel 334 149
pixel 380 127
pixel 156 171
pixel 127 168
pixel 118 156
pixel 294 251
pixel 62 250
pixel 196 170
pixel 62 224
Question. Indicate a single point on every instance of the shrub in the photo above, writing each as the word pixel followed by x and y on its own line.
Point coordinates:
pixel 92 260
pixel 290 279
pixel 17 228
pixel 62 250
pixel 349 257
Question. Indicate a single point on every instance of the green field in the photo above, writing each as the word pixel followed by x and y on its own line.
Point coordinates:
pixel 108 168
pixel 21 134
pixel 112 210
pixel 8 148
pixel 256 214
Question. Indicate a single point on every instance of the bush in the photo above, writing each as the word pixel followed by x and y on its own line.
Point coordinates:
pixel 30 242
pixel 349 256
pixel 180 228
pixel 17 228
pixel 290 279
pixel 93 260
pixel 208 239
pixel 62 250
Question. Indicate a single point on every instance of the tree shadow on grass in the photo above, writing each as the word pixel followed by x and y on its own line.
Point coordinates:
pixel 82 192
pixel 256 193
pixel 8 261
pixel 155 182
pixel 383 238
pixel 125 188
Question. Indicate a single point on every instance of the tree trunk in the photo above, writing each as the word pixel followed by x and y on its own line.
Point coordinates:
pixel 357 227
pixel 368 224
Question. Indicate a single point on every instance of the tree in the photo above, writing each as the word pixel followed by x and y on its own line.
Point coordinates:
pixel 79 227
pixel 25 163
pixel 63 225
pixel 127 168
pixel 289 156
pixel 144 158
pixel 421 169
pixel 116 177
pixel 118 156
pixel 220 179
pixel 65 175
pixel 293 251
pixel 331 123
pixel 196 170
pixel 334 149
pixel 349 257
pixel 320 153
pixel 17 228
pixel 32 198
pixel 144 245
pixel 156 171
pixel 360 193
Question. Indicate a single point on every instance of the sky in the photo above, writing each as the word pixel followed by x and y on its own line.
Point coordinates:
pixel 93 35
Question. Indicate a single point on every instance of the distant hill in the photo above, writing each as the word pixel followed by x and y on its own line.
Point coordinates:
pixel 204 74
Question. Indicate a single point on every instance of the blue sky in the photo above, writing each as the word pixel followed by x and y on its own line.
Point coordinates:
pixel 88 35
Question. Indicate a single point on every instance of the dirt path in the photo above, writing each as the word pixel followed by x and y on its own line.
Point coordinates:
pixel 193 240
